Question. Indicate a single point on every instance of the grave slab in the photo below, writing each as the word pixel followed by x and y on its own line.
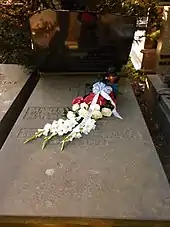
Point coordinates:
pixel 16 85
pixel 114 172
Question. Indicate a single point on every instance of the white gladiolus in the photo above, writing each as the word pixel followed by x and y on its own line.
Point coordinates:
pixel 68 126
pixel 54 127
pixel 90 125
pixel 62 130
pixel 71 115
pixel 97 115
pixel 78 135
pixel 47 128
pixel 75 107
pixel 72 123
pixel 83 112
pixel 97 107
pixel 76 129
pixel 84 105
pixel 60 121
pixel 106 112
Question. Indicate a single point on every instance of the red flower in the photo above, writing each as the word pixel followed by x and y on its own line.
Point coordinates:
pixel 87 17
pixel 113 97
pixel 89 98
pixel 101 101
pixel 78 100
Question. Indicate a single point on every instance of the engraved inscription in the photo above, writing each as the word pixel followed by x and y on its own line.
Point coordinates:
pixel 96 137
pixel 50 113
pixel 94 141
pixel 26 132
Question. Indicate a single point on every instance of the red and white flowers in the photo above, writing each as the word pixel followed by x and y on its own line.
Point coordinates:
pixel 82 117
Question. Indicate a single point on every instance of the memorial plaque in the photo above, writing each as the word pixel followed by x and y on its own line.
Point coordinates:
pixel 113 172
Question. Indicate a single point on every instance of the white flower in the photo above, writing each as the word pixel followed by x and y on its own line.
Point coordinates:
pixel 90 125
pixel 38 131
pixel 47 128
pixel 55 123
pixel 97 115
pixel 106 112
pixel 76 129
pixel 84 105
pixel 62 130
pixel 60 121
pixel 71 115
pixel 78 118
pixel 73 123
pixel 68 126
pixel 85 130
pixel 54 127
pixel 78 135
pixel 75 107
pixel 83 112
pixel 97 107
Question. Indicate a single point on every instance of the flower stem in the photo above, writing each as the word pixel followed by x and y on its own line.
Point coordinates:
pixel 62 145
pixel 47 139
pixel 37 134
pixel 66 139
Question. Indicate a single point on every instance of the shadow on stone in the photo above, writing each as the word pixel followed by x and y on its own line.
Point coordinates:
pixel 14 96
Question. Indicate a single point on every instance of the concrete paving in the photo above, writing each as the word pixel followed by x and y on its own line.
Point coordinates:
pixel 114 172
pixel 15 87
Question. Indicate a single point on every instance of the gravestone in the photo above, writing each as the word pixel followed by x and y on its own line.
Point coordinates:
pixel 114 172
pixel 163 50
pixel 16 85
pixel 74 45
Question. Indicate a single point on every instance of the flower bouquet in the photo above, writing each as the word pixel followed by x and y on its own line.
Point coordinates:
pixel 81 118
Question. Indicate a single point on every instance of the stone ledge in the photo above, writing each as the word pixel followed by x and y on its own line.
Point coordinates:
pixel 158 100
pixel 16 85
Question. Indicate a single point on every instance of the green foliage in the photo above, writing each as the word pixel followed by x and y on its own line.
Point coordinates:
pixel 15 35
pixel 132 73
pixel 15 44
pixel 138 8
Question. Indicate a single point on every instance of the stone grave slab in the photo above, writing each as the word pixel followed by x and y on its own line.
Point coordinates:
pixel 16 85
pixel 114 172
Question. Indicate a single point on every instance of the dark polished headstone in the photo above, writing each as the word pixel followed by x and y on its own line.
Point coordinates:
pixel 77 42
pixel 16 85
pixel 114 172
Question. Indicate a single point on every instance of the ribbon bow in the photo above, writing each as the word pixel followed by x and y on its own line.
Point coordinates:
pixel 101 87
pixel 104 90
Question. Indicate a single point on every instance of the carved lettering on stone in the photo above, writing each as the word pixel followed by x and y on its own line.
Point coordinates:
pixel 26 132
pixel 96 137
pixel 50 113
